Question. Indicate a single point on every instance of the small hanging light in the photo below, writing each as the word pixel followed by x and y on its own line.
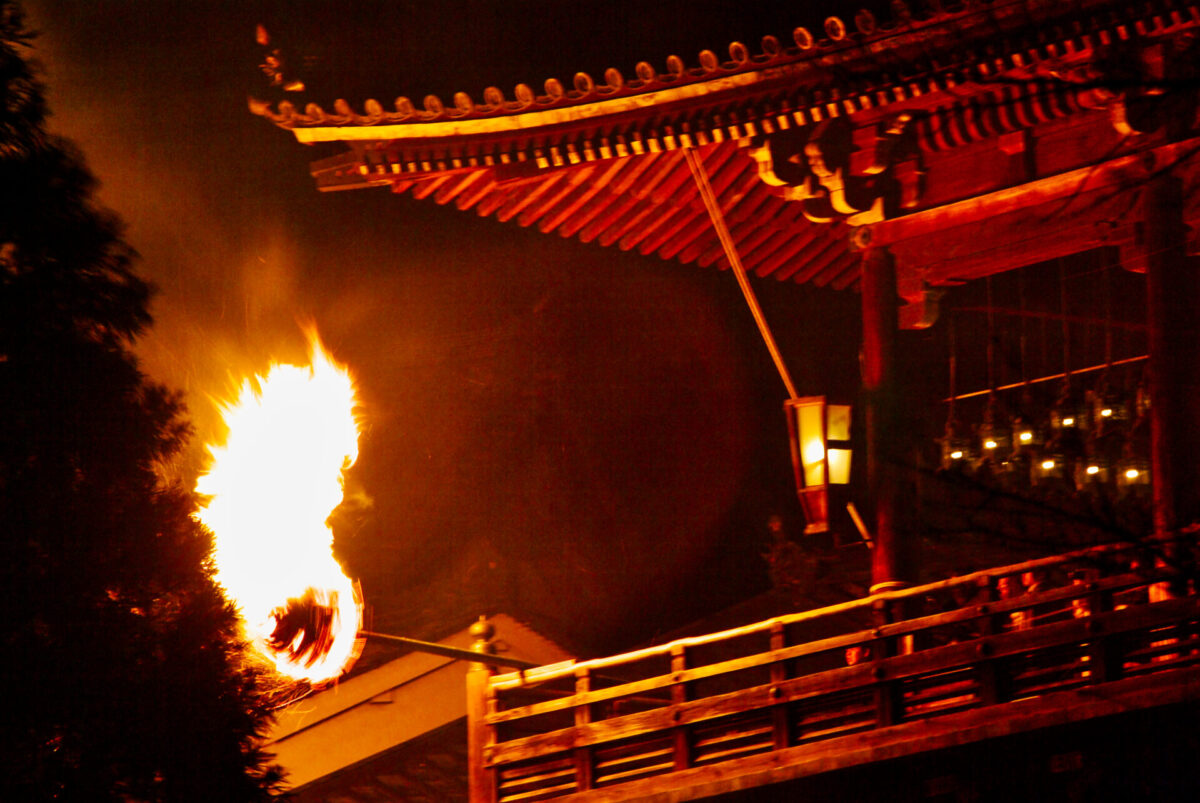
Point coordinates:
pixel 1050 468
pixel 957 451
pixel 1025 435
pixel 1069 413
pixel 1095 472
pixel 1133 473
pixel 1133 470
pixel 1026 450
pixel 1108 406
pixel 995 438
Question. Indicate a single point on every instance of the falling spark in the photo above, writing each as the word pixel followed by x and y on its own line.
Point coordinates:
pixel 272 486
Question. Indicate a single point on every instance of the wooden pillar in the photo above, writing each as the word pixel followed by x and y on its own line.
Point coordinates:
pixel 890 563
pixel 1172 331
pixel 481 781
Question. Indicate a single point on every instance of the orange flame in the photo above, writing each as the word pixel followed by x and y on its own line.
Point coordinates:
pixel 273 484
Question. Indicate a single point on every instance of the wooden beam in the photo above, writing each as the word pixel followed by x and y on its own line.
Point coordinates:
pixel 1120 173
pixel 1043 219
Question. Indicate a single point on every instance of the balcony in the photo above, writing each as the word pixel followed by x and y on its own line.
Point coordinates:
pixel 1057 642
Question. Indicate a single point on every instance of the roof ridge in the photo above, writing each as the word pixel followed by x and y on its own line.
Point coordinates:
pixel 839 48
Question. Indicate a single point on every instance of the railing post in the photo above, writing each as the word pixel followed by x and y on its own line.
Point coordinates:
pixel 888 705
pixel 1101 659
pixel 781 727
pixel 986 671
pixel 481 780
pixel 682 748
pixel 583 715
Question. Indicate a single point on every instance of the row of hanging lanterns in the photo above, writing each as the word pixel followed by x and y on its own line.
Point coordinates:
pixel 1093 439
pixel 1098 439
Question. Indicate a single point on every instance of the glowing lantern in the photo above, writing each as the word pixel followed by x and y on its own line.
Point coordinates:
pixel 1108 406
pixel 272 486
pixel 1024 434
pixel 1133 473
pixel 1052 467
pixel 820 441
pixel 956 447
pixel 1097 471
pixel 995 439
pixel 1070 413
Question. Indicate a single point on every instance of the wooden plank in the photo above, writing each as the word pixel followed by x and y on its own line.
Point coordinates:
pixel 552 791
pixel 649 755
pixel 638 772
pixel 540 778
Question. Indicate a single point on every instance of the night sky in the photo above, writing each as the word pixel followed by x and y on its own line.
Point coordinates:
pixel 590 436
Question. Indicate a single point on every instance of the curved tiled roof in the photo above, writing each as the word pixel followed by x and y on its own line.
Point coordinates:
pixel 603 161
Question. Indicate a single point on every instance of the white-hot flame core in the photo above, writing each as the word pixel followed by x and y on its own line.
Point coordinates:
pixel 273 485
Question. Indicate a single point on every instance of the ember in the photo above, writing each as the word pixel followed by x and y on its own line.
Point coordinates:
pixel 272 486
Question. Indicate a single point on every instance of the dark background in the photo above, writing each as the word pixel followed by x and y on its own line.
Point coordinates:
pixel 589 439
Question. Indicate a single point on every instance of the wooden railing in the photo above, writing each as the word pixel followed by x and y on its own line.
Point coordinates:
pixel 812 685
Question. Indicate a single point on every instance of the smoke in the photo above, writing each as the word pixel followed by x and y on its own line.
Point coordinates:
pixel 590 419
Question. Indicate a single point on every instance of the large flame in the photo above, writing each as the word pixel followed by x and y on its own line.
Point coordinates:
pixel 273 484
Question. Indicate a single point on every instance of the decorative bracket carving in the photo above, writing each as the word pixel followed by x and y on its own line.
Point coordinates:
pixel 1145 87
pixel 816 167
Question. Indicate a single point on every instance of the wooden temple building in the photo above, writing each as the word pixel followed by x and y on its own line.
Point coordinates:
pixel 905 159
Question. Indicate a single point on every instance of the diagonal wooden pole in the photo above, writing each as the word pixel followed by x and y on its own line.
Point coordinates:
pixel 718 220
